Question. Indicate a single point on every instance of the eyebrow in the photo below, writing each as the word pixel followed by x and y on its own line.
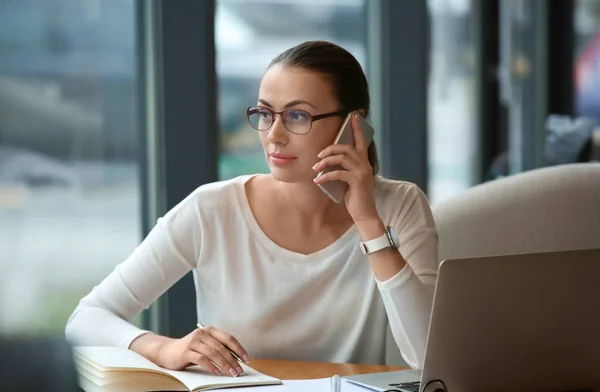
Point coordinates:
pixel 289 104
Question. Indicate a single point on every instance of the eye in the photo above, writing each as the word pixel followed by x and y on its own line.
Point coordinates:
pixel 263 113
pixel 297 116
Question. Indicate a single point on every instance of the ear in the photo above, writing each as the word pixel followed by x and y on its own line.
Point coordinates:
pixel 362 112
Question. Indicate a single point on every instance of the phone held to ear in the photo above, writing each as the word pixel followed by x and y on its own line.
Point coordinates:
pixel 337 189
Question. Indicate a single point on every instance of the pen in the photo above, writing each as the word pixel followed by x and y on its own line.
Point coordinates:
pixel 230 350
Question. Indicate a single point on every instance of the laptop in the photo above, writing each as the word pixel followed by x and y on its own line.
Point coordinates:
pixel 528 322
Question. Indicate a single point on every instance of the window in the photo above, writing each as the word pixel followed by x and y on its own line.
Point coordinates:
pixel 587 58
pixel 452 86
pixel 69 175
pixel 249 34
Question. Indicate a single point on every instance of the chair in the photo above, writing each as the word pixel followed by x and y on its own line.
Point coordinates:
pixel 548 209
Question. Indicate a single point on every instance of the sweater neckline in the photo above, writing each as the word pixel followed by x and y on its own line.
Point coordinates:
pixel 346 239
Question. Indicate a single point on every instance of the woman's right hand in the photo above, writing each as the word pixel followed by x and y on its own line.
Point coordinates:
pixel 203 346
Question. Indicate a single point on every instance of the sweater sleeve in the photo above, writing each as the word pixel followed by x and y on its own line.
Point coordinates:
pixel 408 296
pixel 169 251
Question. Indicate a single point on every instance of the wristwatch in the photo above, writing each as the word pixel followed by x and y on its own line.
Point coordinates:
pixel 388 240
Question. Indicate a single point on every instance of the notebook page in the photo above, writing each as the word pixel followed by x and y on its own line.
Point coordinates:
pixel 315 385
pixel 195 376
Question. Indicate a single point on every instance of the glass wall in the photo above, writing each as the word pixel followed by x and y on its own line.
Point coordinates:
pixel 587 58
pixel 69 181
pixel 249 34
pixel 452 88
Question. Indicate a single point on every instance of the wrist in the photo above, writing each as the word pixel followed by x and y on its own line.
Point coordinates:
pixel 371 228
pixel 151 346
pixel 158 348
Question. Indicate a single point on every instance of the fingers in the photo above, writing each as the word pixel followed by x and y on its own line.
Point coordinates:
pixel 207 346
pixel 227 362
pixel 345 161
pixel 218 358
pixel 231 342
pixel 341 175
pixel 199 359
pixel 359 137
pixel 336 149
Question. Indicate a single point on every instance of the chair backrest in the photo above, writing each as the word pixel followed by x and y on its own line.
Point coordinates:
pixel 549 209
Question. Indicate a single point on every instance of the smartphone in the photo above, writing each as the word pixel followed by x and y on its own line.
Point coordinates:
pixel 337 189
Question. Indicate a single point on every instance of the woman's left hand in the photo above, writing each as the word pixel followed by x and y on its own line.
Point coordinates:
pixel 358 174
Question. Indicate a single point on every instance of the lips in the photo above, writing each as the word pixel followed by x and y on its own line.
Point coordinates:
pixel 281 156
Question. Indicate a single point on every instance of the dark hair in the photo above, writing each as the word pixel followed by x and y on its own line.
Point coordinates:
pixel 343 70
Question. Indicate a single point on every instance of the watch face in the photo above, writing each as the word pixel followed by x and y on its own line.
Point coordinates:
pixel 393 234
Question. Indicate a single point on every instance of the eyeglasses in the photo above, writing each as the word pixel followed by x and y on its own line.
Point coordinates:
pixel 295 120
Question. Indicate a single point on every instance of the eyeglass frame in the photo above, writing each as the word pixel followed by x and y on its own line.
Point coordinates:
pixel 313 118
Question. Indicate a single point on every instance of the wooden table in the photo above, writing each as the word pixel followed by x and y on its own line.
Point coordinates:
pixel 299 370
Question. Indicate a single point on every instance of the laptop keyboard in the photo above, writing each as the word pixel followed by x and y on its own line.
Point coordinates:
pixel 412 386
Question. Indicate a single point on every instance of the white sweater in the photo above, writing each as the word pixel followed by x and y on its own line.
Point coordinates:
pixel 325 306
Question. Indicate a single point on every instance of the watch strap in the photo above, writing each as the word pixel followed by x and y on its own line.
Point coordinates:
pixel 376 244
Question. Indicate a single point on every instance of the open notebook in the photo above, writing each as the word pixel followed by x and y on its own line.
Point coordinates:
pixel 103 369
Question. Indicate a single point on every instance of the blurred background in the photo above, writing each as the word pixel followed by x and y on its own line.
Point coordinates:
pixel 101 108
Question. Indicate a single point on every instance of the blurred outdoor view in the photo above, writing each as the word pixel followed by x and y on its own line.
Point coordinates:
pixel 69 178
pixel 452 133
pixel 587 58
pixel 70 195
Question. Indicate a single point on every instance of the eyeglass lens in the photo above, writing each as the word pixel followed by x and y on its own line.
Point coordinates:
pixel 295 120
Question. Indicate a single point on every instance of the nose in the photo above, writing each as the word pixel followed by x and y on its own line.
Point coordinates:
pixel 277 133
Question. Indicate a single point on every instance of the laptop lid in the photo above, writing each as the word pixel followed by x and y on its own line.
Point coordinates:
pixel 517 322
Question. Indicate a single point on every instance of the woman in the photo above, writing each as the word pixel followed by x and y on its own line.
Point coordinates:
pixel 278 266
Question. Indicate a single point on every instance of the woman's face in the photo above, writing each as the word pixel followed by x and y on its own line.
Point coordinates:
pixel 291 156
